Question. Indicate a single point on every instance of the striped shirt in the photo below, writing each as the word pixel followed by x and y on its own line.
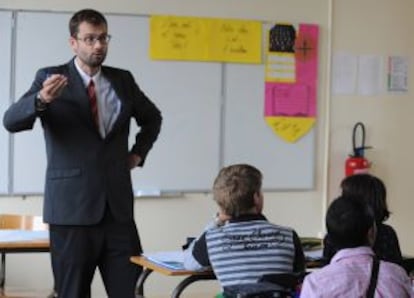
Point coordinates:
pixel 244 250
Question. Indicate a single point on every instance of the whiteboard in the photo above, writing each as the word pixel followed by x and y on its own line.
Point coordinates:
pixel 5 67
pixel 213 113
pixel 185 156
pixel 248 139
pixel 38 44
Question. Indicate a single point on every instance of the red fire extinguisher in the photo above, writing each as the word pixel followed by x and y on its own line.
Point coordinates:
pixel 356 163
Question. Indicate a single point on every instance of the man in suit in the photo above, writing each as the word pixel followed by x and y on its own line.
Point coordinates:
pixel 85 109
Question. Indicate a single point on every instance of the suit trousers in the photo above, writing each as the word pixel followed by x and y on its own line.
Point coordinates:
pixel 78 250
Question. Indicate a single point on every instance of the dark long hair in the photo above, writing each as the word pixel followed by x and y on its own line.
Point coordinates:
pixel 372 190
pixel 348 221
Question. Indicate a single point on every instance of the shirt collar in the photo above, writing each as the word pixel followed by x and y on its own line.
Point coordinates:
pixel 85 77
pixel 351 252
pixel 247 217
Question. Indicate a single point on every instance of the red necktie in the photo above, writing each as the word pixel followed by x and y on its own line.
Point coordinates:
pixel 92 99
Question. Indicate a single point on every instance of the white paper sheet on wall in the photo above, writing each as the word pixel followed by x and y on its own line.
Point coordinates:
pixel 370 75
pixel 397 74
pixel 344 74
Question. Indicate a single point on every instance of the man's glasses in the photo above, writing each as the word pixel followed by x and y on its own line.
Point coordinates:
pixel 92 39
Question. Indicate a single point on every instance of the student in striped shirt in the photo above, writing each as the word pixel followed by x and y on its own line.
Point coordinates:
pixel 240 244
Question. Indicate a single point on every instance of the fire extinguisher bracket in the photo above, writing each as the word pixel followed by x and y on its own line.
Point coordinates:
pixel 356 163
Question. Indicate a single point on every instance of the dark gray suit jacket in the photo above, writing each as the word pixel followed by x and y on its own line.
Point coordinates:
pixel 85 172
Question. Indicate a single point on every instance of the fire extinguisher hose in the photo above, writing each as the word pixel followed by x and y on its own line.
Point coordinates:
pixel 359 151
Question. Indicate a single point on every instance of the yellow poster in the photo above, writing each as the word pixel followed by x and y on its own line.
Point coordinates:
pixel 205 39
pixel 235 41
pixel 290 129
pixel 178 38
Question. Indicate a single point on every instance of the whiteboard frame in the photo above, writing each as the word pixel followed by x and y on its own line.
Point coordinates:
pixel 222 156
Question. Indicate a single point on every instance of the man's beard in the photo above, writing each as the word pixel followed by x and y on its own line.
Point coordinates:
pixel 96 61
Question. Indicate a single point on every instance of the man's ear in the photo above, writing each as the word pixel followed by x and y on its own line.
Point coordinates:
pixel 258 201
pixel 73 44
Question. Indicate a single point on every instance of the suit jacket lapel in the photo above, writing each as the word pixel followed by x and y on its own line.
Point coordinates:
pixel 80 94
pixel 116 85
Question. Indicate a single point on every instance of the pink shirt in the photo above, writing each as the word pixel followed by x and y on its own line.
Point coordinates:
pixel 349 273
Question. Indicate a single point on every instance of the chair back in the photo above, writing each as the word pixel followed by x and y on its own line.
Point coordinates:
pixel 22 222
pixel 286 280
pixel 268 286
pixel 255 290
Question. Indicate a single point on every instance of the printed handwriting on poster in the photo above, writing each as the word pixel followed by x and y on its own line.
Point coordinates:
pixel 204 39
pixel 290 129
pixel 174 38
pixel 235 41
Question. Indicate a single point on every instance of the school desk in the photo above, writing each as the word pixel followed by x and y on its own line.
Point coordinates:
pixel 20 241
pixel 150 266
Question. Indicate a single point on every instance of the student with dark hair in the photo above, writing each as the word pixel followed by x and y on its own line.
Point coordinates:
pixel 373 192
pixel 241 245
pixel 352 272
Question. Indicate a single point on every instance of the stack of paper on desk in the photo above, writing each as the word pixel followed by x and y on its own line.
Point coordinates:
pixel 22 235
pixel 311 243
pixel 313 255
pixel 312 247
pixel 169 259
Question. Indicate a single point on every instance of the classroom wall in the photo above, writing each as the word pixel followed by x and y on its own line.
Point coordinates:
pixel 380 28
pixel 357 26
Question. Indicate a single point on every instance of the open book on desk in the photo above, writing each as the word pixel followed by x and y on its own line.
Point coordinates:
pixel 313 255
pixel 312 247
pixel 169 259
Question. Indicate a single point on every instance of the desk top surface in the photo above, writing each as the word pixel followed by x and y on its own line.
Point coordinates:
pixel 144 262
pixel 24 239
pixel 155 262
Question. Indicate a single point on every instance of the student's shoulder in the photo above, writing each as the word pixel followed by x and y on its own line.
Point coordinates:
pixel 387 227
pixel 324 274
pixel 386 231
pixel 392 272
pixel 392 268
pixel 283 229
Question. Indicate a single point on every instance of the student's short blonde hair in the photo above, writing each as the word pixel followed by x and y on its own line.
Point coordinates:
pixel 234 188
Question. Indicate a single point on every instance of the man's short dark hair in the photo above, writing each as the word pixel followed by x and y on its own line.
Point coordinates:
pixel 90 16
pixel 348 221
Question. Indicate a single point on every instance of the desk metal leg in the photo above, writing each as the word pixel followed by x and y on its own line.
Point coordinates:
pixel 140 283
pixel 3 270
pixel 189 280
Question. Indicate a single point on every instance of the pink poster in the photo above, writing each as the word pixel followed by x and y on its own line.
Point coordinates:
pixel 291 79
